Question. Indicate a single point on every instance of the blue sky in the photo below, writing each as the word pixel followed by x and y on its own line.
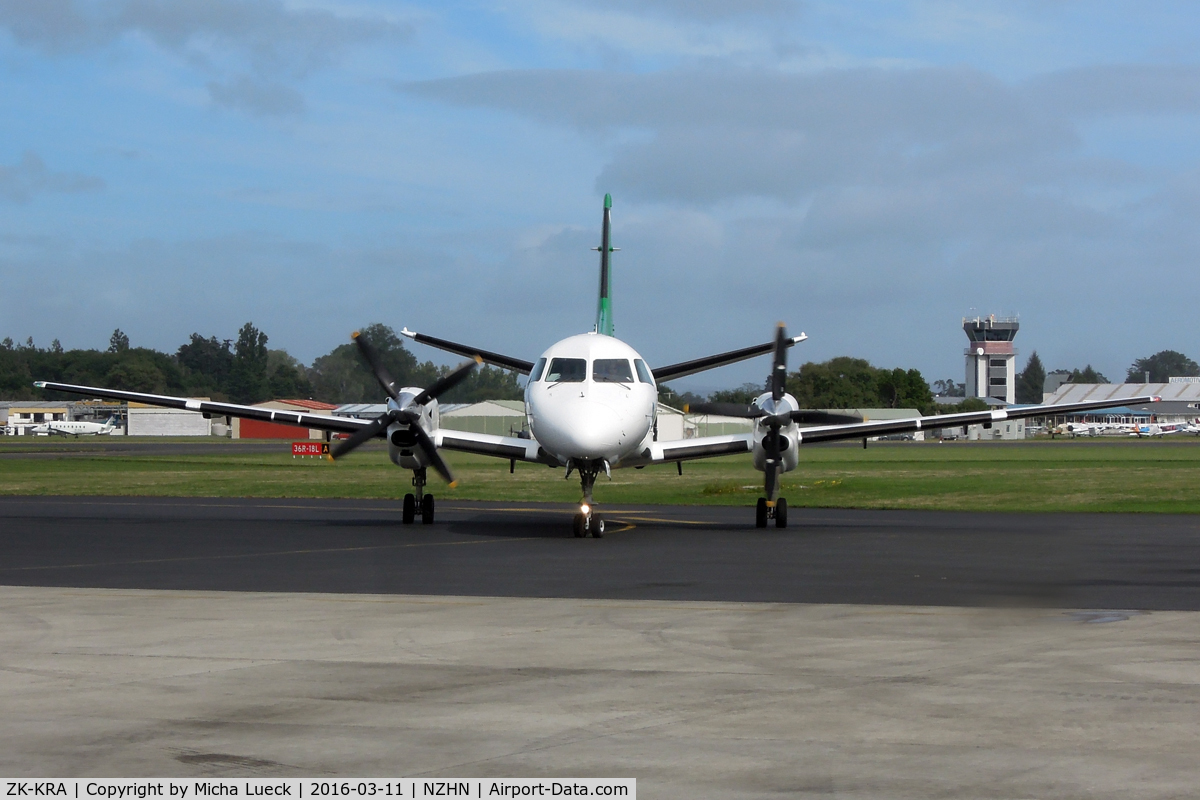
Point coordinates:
pixel 868 173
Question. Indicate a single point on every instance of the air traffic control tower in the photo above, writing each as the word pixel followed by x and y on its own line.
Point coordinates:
pixel 991 359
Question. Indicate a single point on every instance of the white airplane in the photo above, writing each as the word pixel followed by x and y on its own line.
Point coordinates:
pixel 73 428
pixel 1077 429
pixel 591 401
pixel 1160 429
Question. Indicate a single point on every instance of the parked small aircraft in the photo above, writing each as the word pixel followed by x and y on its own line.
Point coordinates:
pixel 1160 429
pixel 74 428
pixel 591 402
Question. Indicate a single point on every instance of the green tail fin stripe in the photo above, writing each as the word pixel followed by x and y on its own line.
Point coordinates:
pixel 604 316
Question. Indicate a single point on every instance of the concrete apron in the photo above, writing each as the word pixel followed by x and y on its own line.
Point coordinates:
pixel 692 699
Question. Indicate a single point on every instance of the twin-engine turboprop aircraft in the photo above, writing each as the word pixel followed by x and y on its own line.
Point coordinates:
pixel 74 428
pixel 591 402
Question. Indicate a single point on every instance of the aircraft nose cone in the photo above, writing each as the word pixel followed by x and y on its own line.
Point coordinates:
pixel 580 429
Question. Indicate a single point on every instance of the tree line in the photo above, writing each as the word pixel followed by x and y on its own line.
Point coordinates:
pixel 239 370
pixel 842 382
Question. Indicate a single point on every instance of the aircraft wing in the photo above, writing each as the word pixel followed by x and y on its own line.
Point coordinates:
pixel 321 422
pixel 495 359
pixel 486 444
pixel 684 368
pixel 859 430
pixel 691 449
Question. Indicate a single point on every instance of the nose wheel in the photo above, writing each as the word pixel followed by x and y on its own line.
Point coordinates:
pixel 590 523
pixel 587 521
pixel 766 511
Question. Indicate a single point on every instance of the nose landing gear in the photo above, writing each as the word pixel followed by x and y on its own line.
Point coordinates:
pixel 418 501
pixel 587 520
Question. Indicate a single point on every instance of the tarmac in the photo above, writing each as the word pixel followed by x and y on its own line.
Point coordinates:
pixel 855 654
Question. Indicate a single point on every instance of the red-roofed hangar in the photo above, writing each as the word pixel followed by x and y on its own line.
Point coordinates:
pixel 258 429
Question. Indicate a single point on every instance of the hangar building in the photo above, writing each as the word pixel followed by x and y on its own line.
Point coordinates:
pixel 144 420
pixel 257 429
pixel 1180 400
pixel 18 416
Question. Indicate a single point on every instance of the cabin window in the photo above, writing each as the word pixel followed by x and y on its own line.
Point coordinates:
pixel 535 374
pixel 643 371
pixel 611 370
pixel 567 370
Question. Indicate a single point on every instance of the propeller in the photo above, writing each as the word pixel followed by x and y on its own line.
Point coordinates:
pixel 410 414
pixel 777 383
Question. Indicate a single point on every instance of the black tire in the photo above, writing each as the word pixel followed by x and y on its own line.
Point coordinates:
pixel 760 513
pixel 577 526
pixel 410 509
pixel 427 509
pixel 596 528
pixel 781 513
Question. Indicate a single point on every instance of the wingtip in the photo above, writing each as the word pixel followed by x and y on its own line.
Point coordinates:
pixel 478 359
pixel 356 334
pixel 40 384
pixel 453 484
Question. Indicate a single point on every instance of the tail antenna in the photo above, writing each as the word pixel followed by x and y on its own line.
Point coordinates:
pixel 604 317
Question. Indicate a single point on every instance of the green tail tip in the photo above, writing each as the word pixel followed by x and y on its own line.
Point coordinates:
pixel 608 201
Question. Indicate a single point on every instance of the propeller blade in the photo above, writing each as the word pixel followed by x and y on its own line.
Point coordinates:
pixel 435 458
pixel 381 373
pixel 779 368
pixel 447 382
pixel 724 410
pixel 824 418
pixel 362 435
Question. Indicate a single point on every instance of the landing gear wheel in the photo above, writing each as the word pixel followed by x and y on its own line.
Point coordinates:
pixel 596 527
pixel 760 513
pixel 781 513
pixel 410 509
pixel 427 509
pixel 578 526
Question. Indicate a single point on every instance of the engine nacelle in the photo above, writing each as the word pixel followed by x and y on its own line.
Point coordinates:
pixel 789 435
pixel 402 441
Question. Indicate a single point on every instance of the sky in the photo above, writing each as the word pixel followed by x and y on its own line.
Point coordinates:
pixel 868 173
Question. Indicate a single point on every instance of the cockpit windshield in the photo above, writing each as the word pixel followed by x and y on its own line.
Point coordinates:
pixel 535 374
pixel 611 370
pixel 567 370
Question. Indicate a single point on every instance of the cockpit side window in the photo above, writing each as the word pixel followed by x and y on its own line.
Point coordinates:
pixel 535 374
pixel 611 370
pixel 643 371
pixel 567 370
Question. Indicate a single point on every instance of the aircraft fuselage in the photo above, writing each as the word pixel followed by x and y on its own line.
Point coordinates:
pixel 591 398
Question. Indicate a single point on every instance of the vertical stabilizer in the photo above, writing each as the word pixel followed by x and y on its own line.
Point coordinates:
pixel 604 318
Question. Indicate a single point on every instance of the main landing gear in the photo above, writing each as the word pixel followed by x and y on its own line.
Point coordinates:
pixel 418 502
pixel 587 520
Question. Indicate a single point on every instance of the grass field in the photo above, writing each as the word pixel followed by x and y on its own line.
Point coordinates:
pixel 1105 475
